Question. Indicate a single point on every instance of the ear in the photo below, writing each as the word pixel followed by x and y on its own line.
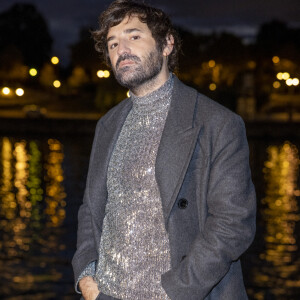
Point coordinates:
pixel 169 46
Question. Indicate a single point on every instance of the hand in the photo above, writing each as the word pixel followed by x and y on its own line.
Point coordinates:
pixel 89 288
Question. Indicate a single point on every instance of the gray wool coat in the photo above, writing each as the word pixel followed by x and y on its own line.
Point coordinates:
pixel 208 199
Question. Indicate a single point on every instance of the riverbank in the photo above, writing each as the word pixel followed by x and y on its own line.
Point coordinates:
pixel 64 123
pixel 58 123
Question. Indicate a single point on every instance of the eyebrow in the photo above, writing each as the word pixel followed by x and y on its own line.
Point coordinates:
pixel 127 31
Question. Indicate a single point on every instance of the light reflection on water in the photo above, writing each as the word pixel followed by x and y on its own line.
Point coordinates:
pixel 277 272
pixel 32 202
pixel 41 185
pixel 24 186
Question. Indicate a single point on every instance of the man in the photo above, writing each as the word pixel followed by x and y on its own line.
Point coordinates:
pixel 169 205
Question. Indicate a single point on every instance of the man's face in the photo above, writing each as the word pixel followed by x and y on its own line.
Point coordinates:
pixel 133 53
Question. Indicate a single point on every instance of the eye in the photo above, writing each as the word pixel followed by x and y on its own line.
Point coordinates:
pixel 112 46
pixel 135 37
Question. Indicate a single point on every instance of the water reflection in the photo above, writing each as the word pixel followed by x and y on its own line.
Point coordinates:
pixel 32 205
pixel 38 229
pixel 280 265
pixel 55 194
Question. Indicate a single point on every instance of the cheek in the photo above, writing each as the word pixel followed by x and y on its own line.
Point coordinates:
pixel 112 59
pixel 108 58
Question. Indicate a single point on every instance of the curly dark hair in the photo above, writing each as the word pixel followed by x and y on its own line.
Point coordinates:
pixel 157 21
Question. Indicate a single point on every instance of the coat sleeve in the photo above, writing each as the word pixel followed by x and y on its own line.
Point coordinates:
pixel 230 224
pixel 86 249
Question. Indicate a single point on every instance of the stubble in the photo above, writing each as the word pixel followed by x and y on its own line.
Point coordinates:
pixel 141 73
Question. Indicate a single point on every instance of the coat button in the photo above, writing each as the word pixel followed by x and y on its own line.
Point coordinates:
pixel 183 203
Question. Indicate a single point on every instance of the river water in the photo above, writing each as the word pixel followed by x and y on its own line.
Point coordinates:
pixel 41 186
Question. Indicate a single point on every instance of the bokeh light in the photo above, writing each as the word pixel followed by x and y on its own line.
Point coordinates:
pixel 295 81
pixel 103 74
pixel 285 76
pixel 55 60
pixel 6 91
pixel 33 72
pixel 100 74
pixel 19 92
pixel 276 84
pixel 212 86
pixel 276 59
pixel 211 63
pixel 279 76
pixel 289 82
pixel 106 74
pixel 56 83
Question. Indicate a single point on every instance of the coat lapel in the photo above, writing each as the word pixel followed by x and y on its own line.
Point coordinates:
pixel 177 144
pixel 174 153
pixel 106 139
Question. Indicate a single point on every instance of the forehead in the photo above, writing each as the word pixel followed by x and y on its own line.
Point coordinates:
pixel 132 22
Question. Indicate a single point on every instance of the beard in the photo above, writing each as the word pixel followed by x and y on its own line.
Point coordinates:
pixel 141 72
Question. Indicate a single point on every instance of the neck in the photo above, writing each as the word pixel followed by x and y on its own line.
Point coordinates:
pixel 151 85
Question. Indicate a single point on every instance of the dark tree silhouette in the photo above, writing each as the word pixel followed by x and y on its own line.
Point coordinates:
pixel 276 38
pixel 83 52
pixel 24 28
pixel 227 48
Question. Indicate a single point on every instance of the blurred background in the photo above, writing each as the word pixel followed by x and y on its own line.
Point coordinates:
pixel 54 88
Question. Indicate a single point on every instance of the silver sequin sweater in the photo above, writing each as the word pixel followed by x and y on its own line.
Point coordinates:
pixel 134 249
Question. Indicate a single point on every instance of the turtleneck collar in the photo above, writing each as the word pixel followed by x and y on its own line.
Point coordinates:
pixel 152 98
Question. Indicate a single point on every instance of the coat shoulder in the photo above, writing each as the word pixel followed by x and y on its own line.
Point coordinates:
pixel 213 117
pixel 212 112
pixel 207 111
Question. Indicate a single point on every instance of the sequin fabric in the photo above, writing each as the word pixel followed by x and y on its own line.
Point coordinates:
pixel 134 248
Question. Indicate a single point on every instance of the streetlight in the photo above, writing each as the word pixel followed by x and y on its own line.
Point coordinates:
pixel 56 83
pixel 276 59
pixel 289 82
pixel 285 75
pixel 6 91
pixel 211 63
pixel 106 74
pixel 212 86
pixel 279 75
pixel 103 74
pixel 292 81
pixel 295 81
pixel 33 72
pixel 55 60
pixel 19 92
pixel 100 74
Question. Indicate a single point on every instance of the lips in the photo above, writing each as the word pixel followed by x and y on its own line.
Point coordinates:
pixel 126 59
pixel 125 63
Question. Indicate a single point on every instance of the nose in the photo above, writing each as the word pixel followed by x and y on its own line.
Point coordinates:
pixel 123 47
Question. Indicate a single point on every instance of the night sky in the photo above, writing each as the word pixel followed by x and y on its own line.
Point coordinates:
pixel 66 17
